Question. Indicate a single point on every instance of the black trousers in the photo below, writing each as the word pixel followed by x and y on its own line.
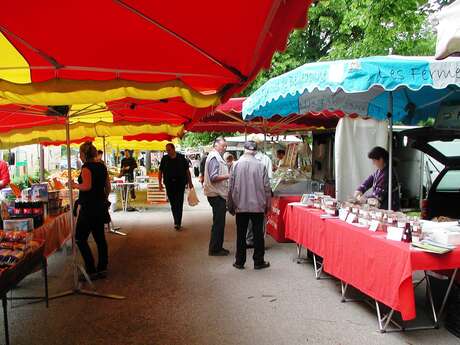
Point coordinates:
pixel 86 225
pixel 219 210
pixel 242 221
pixel 175 194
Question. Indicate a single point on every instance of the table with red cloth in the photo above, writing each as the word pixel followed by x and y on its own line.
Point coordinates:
pixel 305 226
pixel 366 260
pixel 54 232
pixel 275 219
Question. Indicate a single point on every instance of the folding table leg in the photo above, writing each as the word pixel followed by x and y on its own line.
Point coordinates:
pixel 300 259
pixel 318 266
pixel 385 320
pixel 446 296
pixel 45 272
pixel 5 320
pixel 430 297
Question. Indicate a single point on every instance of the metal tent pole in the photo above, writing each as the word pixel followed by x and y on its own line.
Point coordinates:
pixel 41 152
pixel 390 149
pixel 76 289
pixel 103 147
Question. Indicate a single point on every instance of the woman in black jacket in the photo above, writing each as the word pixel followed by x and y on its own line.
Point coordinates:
pixel 94 188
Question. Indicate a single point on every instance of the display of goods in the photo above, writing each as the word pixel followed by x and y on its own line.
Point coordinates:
pixel 53 195
pixel 23 224
pixel 10 257
pixel 63 175
pixel 442 219
pixel 55 203
pixel 39 192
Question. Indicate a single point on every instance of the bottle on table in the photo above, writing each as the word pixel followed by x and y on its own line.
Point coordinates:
pixel 407 235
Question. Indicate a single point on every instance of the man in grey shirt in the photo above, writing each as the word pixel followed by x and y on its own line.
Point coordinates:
pixel 216 189
pixel 249 197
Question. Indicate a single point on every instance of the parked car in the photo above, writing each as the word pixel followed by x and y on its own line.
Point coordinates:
pixel 443 198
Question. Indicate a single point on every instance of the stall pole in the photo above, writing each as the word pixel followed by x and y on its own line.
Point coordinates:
pixel 76 289
pixel 265 135
pixel 103 148
pixel 41 151
pixel 390 149
pixel 148 160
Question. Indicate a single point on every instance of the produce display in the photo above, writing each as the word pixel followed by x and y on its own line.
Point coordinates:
pixel 15 241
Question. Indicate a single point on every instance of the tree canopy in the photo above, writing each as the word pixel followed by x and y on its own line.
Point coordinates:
pixel 341 29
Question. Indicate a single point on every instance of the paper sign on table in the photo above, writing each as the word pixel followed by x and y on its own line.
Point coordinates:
pixel 343 214
pixel 351 218
pixel 394 233
pixel 374 225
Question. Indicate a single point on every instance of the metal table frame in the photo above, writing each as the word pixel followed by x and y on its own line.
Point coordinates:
pixel 384 320
pixel 44 266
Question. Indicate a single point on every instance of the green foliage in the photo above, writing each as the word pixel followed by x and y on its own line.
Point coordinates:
pixel 202 139
pixel 342 29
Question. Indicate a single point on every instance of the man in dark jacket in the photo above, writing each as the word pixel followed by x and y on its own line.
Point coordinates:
pixel 175 173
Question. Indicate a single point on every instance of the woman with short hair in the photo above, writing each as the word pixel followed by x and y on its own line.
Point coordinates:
pixel 94 189
pixel 378 181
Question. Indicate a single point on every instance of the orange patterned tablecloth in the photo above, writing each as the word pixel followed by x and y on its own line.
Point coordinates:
pixel 55 232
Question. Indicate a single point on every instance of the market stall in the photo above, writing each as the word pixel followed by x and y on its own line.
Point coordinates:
pixel 394 88
pixel 376 252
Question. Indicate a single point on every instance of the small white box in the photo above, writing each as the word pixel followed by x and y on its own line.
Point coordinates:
pixel 447 237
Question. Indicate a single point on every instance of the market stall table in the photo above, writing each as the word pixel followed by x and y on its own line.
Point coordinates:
pixel 14 275
pixel 54 232
pixel 366 260
pixel 275 219
pixel 124 189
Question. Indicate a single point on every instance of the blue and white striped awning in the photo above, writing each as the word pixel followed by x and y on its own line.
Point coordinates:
pixel 417 85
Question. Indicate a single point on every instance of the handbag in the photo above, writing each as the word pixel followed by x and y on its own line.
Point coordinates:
pixel 192 198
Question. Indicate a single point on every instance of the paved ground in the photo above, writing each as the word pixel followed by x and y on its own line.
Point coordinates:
pixel 176 294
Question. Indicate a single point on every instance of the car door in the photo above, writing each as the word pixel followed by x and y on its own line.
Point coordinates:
pixel 444 146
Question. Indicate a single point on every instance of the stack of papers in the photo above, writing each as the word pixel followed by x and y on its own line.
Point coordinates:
pixel 430 246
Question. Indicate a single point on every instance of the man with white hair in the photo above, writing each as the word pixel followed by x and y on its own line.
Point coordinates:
pixel 216 177
pixel 249 198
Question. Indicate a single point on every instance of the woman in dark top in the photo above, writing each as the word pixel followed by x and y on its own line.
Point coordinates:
pixel 378 181
pixel 94 186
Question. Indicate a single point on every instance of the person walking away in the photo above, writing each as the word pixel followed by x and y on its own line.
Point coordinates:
pixel 94 188
pixel 249 198
pixel 175 173
pixel 196 166
pixel 216 189
pixel 128 164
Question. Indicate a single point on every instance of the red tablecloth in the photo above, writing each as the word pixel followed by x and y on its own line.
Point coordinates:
pixel 305 226
pixel 380 268
pixel 275 219
pixel 55 232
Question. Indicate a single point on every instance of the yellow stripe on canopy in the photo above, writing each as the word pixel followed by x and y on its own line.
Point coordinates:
pixel 118 143
pixel 77 131
pixel 13 67
pixel 69 92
